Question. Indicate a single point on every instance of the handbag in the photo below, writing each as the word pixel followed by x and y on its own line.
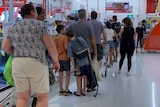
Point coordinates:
pixel 8 71
pixel 96 69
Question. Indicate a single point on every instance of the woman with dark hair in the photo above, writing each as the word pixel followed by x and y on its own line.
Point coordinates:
pixel 127 45
pixel 40 12
pixel 28 41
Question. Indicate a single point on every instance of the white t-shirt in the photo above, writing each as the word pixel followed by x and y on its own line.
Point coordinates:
pixel 110 34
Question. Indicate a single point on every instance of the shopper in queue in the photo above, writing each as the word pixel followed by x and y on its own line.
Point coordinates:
pixel 28 41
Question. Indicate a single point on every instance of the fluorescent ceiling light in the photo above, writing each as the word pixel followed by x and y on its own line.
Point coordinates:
pixel 78 0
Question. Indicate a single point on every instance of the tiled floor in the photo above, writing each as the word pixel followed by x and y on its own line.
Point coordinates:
pixel 141 89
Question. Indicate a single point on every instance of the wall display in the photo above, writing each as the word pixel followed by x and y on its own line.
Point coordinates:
pixel 67 4
pixel 56 9
pixel 129 10
pixel 152 21
pixel 16 3
pixel 119 7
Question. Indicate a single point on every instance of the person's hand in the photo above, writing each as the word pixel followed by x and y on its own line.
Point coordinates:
pixel 76 68
pixel 56 66
pixel 90 61
pixel 105 42
pixel 95 54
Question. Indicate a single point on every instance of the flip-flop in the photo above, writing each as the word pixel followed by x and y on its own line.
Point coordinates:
pixel 75 93
pixel 83 94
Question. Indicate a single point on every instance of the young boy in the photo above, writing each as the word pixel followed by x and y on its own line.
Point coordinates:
pixel 61 44
pixel 80 65
pixel 140 35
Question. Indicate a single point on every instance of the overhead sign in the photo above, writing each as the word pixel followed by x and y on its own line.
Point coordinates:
pixel 16 3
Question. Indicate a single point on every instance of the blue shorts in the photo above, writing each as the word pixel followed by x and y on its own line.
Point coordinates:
pixel 64 66
pixel 111 44
pixel 83 70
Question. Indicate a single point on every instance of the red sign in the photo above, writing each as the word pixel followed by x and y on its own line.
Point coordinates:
pixel 44 7
pixel 151 6
pixel 44 4
pixel 16 3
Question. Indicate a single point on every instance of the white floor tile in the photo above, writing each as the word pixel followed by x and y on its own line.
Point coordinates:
pixel 141 89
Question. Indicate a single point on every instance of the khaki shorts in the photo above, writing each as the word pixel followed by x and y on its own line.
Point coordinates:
pixel 30 74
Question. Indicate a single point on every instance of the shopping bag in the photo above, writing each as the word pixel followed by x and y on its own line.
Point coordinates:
pixel 96 69
pixel 105 48
pixel 8 71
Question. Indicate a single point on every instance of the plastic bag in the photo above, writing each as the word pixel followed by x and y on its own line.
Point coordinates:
pixel 8 71
pixel 105 49
pixel 96 69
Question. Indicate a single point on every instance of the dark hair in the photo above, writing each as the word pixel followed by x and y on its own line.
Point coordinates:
pixel 70 17
pixel 114 17
pixel 82 13
pixel 59 28
pixel 39 10
pixel 108 24
pixel 94 15
pixel 70 33
pixel 127 21
pixel 26 9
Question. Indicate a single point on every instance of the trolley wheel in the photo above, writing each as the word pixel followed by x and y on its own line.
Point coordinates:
pixel 105 74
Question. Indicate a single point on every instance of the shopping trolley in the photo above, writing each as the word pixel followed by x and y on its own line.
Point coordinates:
pixel 106 54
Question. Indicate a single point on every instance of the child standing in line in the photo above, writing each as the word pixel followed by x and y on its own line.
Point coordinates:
pixel 61 44
pixel 80 65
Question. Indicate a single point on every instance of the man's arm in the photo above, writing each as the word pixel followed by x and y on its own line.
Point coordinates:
pixel 104 36
pixel 93 43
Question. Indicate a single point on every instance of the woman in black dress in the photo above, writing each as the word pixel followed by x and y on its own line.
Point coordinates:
pixel 127 45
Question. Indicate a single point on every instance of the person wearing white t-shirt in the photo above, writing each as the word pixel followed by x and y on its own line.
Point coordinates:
pixel 110 34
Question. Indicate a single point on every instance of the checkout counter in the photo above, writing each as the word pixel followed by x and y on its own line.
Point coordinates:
pixel 6 91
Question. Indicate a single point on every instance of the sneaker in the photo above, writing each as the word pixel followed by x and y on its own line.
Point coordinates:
pixel 119 71
pixel 61 92
pixel 128 73
pixel 67 93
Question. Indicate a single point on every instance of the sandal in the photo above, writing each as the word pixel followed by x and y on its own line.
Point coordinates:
pixel 83 94
pixel 75 93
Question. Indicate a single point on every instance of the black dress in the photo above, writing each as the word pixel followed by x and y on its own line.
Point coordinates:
pixel 127 44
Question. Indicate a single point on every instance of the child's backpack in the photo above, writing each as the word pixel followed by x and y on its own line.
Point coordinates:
pixel 78 48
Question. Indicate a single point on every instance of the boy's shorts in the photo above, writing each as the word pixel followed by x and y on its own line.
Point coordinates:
pixel 64 66
pixel 30 74
pixel 83 70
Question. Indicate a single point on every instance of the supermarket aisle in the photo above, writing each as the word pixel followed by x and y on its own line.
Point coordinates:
pixel 141 89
